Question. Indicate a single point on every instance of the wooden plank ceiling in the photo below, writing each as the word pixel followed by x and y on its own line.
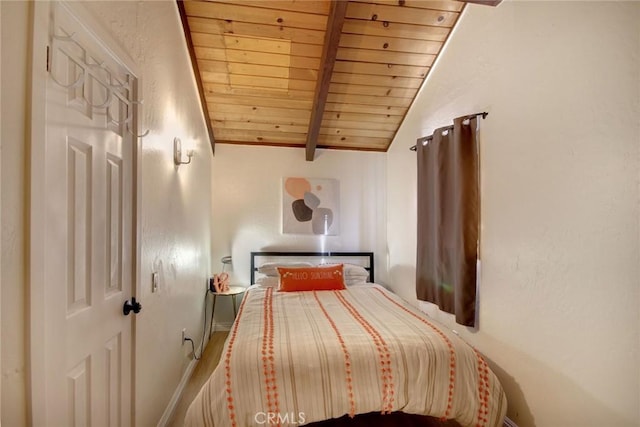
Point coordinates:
pixel 313 73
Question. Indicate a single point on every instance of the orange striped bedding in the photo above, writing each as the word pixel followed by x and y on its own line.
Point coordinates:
pixel 294 358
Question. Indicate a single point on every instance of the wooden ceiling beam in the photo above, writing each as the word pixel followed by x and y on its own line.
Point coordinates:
pixel 335 22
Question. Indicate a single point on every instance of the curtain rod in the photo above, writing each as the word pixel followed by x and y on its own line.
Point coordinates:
pixel 427 138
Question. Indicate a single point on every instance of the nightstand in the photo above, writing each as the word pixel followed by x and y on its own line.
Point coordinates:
pixel 232 292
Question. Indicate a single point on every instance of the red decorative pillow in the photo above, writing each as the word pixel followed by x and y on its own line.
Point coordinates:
pixel 322 278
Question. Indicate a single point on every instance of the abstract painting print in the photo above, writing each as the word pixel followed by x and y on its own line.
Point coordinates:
pixel 311 206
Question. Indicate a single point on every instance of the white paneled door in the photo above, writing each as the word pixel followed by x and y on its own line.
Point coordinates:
pixel 87 213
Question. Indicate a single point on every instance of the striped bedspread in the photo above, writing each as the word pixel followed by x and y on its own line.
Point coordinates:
pixel 293 358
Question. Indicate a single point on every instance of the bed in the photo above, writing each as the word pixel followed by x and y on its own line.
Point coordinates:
pixel 356 356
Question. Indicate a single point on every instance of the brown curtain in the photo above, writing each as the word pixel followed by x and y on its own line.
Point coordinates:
pixel 448 219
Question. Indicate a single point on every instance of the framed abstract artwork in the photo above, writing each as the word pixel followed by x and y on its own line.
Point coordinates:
pixel 311 206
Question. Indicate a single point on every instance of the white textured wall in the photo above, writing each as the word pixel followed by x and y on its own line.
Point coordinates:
pixel 559 293
pixel 247 205
pixel 14 51
pixel 175 203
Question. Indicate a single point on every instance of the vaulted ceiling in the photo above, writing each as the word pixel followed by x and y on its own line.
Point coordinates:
pixel 313 73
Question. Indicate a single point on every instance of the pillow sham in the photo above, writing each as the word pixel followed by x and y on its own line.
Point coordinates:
pixel 354 271
pixel 271 268
pixel 353 281
pixel 268 281
pixel 321 278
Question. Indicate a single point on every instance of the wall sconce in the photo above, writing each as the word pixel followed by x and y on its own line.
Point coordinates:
pixel 177 153
pixel 226 260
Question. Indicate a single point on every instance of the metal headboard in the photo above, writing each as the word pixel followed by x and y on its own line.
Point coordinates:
pixel 298 255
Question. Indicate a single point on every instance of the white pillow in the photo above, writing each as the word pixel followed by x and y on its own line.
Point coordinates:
pixel 268 281
pixel 352 270
pixel 354 274
pixel 351 281
pixel 271 268
pixel 355 282
pixel 355 271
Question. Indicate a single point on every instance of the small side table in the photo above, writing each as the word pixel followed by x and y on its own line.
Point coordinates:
pixel 232 292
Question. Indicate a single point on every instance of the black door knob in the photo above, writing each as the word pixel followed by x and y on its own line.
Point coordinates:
pixel 134 306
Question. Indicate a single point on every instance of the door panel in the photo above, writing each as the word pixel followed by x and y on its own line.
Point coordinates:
pixel 80 184
pixel 88 229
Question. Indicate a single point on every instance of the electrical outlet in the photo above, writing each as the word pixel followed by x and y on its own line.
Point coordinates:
pixel 155 279
pixel 184 335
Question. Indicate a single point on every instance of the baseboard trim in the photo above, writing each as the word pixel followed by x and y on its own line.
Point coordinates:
pixel 177 394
